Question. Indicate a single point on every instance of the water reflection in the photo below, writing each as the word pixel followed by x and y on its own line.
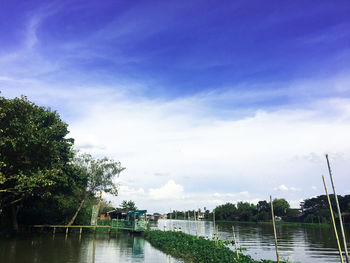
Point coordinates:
pixel 121 247
pixel 298 244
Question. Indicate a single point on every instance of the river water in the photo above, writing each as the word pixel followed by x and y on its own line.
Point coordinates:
pixel 308 244
pixel 43 248
pixel 297 244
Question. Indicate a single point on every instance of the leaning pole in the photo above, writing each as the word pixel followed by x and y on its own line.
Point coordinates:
pixel 339 212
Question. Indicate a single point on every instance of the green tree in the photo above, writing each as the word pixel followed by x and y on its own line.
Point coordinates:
pixel 226 211
pixel 264 211
pixel 128 205
pixel 33 151
pixel 99 177
pixel 280 206
pixel 246 211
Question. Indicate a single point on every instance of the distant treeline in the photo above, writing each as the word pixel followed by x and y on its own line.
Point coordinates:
pixel 312 210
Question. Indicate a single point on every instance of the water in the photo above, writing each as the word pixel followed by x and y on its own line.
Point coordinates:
pixel 308 244
pixel 298 244
pixel 43 248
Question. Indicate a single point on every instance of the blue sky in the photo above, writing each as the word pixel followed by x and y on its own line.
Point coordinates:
pixel 203 101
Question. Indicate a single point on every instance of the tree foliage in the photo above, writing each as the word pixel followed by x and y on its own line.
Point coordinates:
pixel 280 206
pixel 33 150
pixel 128 205
pixel 42 179
pixel 99 173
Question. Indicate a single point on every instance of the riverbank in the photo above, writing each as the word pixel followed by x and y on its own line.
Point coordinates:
pixel 192 249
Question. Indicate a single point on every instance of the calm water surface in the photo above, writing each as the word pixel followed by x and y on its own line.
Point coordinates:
pixel 298 244
pixel 43 248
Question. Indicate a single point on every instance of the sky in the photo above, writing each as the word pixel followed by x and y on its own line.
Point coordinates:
pixel 203 102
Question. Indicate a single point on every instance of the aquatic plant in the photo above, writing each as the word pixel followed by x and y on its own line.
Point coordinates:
pixel 193 249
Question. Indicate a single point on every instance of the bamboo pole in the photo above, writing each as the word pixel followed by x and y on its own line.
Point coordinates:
pixel 339 212
pixel 198 229
pixel 333 221
pixel 274 229
pixel 234 239
pixel 170 225
pixel 184 221
pixel 214 220
pixel 189 222
pixel 195 222
pixel 217 236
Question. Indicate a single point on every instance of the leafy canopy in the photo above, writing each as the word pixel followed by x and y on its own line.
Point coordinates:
pixel 99 173
pixel 33 149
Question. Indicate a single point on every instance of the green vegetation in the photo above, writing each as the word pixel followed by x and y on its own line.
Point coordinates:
pixel 42 179
pixel 192 249
pixel 314 211
pixel 128 205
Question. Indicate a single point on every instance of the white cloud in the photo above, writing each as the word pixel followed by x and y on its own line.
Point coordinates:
pixel 243 194
pixel 189 142
pixel 282 187
pixel 313 187
pixel 170 190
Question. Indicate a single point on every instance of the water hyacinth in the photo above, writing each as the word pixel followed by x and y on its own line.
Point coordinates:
pixel 193 249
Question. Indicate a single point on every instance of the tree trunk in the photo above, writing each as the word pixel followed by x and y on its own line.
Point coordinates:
pixel 76 213
pixel 14 217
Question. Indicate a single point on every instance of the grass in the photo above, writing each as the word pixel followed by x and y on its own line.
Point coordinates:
pixel 192 249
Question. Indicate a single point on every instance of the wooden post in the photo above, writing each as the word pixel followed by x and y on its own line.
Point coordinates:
pixel 80 231
pixel 214 219
pixel 195 222
pixel 189 222
pixel 274 229
pixel 333 221
pixel 67 232
pixel 339 212
pixel 198 229
pixel 184 221
pixel 234 239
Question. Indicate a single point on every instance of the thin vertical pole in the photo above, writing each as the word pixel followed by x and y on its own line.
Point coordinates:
pixel 198 229
pixel 234 239
pixel 274 229
pixel 217 236
pixel 333 221
pixel 339 212
pixel 184 221
pixel 189 222
pixel 195 222
pixel 214 219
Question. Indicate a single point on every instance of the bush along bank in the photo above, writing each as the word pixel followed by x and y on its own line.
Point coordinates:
pixel 193 249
